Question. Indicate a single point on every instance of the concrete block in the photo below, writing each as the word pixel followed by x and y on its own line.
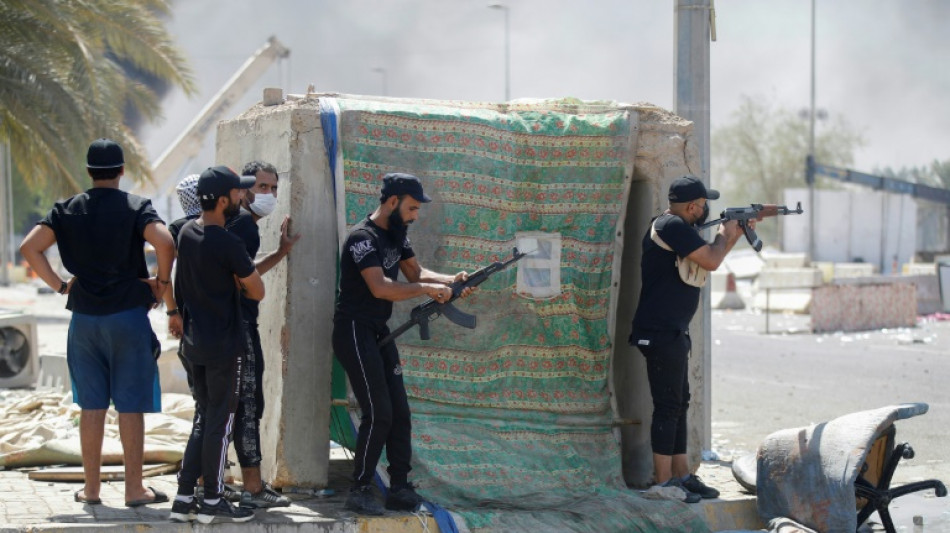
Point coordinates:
pixel 827 269
pixel 788 278
pixel 919 269
pixel 928 292
pixel 785 260
pixel 792 300
pixel 54 373
pixel 864 306
pixel 853 270
pixel 273 96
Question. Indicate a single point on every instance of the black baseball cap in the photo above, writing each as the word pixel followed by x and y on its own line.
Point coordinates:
pixel 689 188
pixel 398 184
pixel 104 153
pixel 218 181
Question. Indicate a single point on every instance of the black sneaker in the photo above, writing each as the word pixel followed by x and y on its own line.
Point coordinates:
pixel 183 512
pixel 361 500
pixel 223 511
pixel 231 494
pixel 403 498
pixel 694 484
pixel 691 497
pixel 267 497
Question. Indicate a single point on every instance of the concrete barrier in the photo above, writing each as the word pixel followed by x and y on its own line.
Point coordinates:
pixel 786 289
pixel 784 260
pixel 853 270
pixel 919 269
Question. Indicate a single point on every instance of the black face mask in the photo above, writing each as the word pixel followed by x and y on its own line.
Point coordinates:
pixel 705 216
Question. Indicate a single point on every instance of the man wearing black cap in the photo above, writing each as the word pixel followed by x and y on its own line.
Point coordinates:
pixel 213 272
pixel 111 349
pixel 374 253
pixel 668 301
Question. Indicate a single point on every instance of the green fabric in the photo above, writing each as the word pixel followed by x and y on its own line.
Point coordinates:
pixel 512 420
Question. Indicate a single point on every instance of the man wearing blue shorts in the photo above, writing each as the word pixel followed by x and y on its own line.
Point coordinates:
pixel 111 349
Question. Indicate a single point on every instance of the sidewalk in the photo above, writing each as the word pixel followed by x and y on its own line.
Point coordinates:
pixel 40 506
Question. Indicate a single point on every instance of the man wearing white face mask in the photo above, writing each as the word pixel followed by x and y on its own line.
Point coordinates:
pixel 259 202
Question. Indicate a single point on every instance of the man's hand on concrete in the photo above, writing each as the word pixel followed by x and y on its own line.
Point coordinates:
pixel 287 241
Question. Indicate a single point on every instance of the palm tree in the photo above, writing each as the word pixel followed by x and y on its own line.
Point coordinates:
pixel 62 85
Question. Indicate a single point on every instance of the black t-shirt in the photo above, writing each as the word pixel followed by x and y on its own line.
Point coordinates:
pixel 175 227
pixel 208 259
pixel 666 302
pixel 243 226
pixel 368 245
pixel 100 235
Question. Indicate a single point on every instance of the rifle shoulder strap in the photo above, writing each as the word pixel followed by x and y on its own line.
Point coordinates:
pixel 691 273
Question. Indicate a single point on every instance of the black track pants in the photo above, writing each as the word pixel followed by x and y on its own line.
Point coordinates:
pixel 216 388
pixel 376 377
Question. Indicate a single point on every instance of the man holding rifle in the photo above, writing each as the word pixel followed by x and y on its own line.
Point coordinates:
pixel 374 253
pixel 669 296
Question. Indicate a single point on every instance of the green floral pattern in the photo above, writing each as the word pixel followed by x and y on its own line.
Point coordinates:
pixel 516 411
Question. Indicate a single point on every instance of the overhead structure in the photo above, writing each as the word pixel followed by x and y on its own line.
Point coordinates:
pixel 166 169
pixel 880 183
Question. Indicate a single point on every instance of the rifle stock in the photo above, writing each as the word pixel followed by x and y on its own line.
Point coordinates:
pixel 429 310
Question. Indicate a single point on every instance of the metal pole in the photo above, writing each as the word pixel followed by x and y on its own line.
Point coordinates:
pixel 691 101
pixel 811 145
pixel 382 71
pixel 6 215
pixel 505 9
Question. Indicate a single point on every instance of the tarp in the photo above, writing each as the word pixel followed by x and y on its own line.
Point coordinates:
pixel 513 420
pixel 41 428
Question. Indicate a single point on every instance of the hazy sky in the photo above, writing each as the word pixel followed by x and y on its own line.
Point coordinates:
pixel 881 64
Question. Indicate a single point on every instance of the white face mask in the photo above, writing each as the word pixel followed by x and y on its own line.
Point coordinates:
pixel 263 205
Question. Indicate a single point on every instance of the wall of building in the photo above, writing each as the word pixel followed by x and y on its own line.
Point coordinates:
pixel 868 226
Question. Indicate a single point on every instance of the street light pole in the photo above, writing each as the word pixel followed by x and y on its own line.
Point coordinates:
pixel 811 147
pixel 505 9
pixel 382 71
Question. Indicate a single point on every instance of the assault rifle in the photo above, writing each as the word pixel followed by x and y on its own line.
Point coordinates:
pixel 754 212
pixel 430 310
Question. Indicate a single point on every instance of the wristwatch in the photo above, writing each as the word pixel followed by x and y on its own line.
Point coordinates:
pixel 171 312
pixel 62 287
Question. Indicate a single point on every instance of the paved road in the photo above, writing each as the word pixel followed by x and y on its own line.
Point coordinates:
pixel 763 383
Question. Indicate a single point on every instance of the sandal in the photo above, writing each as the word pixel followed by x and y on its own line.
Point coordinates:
pixel 82 499
pixel 160 497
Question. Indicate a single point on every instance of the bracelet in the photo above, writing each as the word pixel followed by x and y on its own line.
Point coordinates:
pixel 163 281
pixel 62 287
pixel 171 312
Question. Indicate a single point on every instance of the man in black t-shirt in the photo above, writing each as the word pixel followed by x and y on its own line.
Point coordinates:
pixel 374 253
pixel 213 272
pixel 259 201
pixel 661 324
pixel 111 349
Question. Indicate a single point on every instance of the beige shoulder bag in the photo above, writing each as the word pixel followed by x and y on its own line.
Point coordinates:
pixel 690 272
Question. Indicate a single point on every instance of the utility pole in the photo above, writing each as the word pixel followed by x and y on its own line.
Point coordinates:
pixel 695 26
pixel 506 10
pixel 810 165
pixel 6 215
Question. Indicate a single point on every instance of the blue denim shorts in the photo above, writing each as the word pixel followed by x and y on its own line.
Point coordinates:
pixel 112 358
